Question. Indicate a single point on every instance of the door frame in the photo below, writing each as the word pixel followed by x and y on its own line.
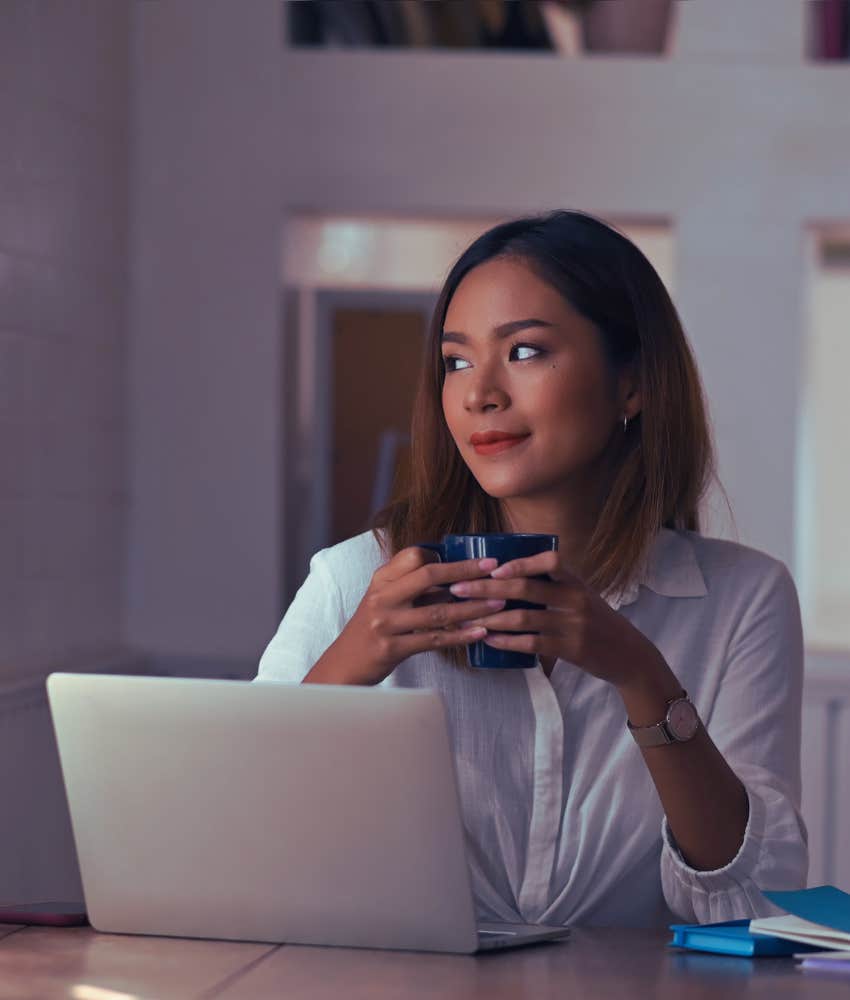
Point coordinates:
pixel 308 401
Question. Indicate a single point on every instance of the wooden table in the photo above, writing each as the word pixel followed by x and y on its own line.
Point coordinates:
pixel 38 963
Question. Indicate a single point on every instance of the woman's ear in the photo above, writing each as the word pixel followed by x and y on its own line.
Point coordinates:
pixel 629 395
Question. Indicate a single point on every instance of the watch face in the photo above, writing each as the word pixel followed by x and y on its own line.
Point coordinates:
pixel 682 720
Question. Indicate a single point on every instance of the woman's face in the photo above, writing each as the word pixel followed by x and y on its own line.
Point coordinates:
pixel 521 361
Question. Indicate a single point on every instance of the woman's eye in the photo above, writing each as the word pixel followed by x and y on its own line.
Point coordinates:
pixel 524 352
pixel 518 352
pixel 454 363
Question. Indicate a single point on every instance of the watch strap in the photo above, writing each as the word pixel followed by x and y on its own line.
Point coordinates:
pixel 651 736
pixel 658 734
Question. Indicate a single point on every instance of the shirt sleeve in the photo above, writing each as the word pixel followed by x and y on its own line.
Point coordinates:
pixel 312 622
pixel 755 723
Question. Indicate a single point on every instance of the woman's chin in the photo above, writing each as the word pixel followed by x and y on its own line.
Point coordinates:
pixel 503 488
pixel 517 487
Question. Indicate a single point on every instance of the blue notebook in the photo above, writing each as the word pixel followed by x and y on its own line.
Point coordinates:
pixel 822 904
pixel 731 938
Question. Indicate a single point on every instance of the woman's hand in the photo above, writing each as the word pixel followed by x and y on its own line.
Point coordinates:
pixel 402 614
pixel 576 624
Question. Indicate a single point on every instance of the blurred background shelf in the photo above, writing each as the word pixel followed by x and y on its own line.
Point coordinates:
pixel 571 28
pixel 562 27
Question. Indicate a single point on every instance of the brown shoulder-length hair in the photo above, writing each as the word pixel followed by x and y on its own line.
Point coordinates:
pixel 662 463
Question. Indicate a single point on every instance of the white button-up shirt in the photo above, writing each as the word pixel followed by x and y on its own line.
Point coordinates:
pixel 563 822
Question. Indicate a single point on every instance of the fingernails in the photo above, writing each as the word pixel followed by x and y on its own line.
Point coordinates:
pixel 488 564
pixel 495 605
pixel 478 632
pixel 459 589
pixel 501 571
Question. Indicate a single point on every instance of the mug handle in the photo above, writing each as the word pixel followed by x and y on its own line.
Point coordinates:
pixel 437 547
pixel 440 549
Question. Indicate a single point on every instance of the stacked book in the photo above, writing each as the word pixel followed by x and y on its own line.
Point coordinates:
pixel 815 929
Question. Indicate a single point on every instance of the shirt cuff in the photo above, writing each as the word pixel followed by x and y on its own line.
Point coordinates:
pixel 772 855
pixel 734 872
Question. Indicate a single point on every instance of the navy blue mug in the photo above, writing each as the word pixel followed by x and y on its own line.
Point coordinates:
pixel 503 548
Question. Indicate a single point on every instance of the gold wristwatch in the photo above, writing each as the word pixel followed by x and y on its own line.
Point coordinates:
pixel 679 725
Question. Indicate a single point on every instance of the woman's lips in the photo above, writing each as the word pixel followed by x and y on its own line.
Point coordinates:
pixel 498 445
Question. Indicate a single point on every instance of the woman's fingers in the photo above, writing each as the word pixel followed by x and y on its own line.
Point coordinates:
pixel 520 620
pixel 519 589
pixel 548 563
pixel 443 615
pixel 436 595
pixel 435 574
pixel 523 643
pixel 423 642
pixel 404 562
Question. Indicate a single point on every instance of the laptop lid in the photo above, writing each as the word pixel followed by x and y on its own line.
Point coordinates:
pixel 259 811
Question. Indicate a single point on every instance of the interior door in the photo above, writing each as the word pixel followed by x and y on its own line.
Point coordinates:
pixel 375 358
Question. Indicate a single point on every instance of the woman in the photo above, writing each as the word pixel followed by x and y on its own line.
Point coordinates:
pixel 559 395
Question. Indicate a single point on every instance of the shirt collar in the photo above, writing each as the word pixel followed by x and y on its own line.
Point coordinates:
pixel 670 569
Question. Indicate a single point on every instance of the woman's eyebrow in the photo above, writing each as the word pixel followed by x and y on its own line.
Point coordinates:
pixel 499 332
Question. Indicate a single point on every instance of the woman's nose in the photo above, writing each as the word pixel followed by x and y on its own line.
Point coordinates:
pixel 485 393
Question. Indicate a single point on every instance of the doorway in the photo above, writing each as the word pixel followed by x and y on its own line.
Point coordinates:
pixel 351 392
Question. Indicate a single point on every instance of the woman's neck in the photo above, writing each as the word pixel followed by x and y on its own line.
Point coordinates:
pixel 571 518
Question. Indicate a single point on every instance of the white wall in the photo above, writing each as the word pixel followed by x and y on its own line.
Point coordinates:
pixel 63 232
pixel 63 490
pixel 205 452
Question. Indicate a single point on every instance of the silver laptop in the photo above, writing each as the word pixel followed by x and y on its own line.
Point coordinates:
pixel 317 815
